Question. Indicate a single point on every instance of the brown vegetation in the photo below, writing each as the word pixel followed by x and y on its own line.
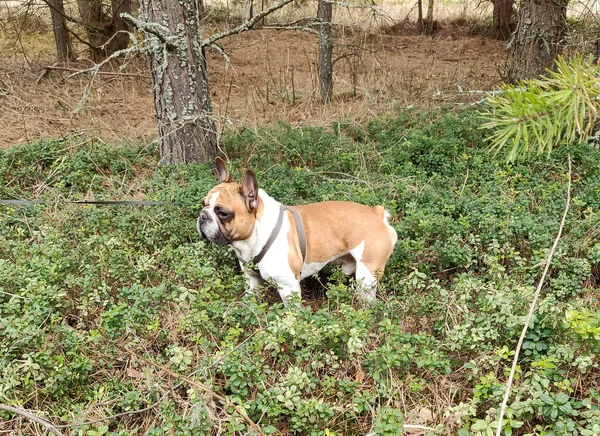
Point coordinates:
pixel 272 76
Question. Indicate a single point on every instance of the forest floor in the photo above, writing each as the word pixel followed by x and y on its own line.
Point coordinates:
pixel 272 77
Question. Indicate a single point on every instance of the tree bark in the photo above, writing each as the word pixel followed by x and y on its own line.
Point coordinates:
pixel 538 38
pixel 180 83
pixel 502 18
pixel 92 18
pixel 62 38
pixel 325 65
pixel 420 25
pixel 429 24
pixel 249 10
pixel 105 32
pixel 118 27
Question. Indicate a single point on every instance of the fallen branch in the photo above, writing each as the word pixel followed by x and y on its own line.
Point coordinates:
pixel 31 417
pixel 532 307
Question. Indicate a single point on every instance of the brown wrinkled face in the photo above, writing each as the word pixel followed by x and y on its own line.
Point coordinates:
pixel 225 217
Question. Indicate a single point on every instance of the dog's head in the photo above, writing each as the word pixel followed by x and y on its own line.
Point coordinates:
pixel 230 208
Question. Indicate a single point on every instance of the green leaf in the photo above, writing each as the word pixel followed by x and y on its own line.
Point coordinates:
pixel 480 424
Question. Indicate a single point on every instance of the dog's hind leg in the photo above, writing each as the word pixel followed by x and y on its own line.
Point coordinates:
pixel 367 283
pixel 348 264
pixel 366 280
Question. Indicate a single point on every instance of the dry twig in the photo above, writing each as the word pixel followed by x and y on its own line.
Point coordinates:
pixel 246 25
pixel 31 417
pixel 532 307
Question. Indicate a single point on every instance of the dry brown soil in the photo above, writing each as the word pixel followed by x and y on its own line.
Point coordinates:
pixel 272 76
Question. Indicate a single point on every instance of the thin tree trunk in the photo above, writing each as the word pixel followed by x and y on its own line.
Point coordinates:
pixel 502 18
pixel 62 38
pixel 325 65
pixel 106 34
pixel 249 10
pixel 429 25
pixel 420 26
pixel 538 38
pixel 118 27
pixel 92 17
pixel 180 83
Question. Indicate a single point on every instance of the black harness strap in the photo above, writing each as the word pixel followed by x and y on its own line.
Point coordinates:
pixel 271 239
pixel 275 232
pixel 20 202
pixel 300 230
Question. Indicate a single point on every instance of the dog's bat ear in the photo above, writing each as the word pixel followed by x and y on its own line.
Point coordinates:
pixel 222 171
pixel 250 190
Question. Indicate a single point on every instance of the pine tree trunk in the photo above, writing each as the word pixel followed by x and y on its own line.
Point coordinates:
pixel 104 29
pixel 92 17
pixel 429 24
pixel 64 50
pixel 118 26
pixel 502 18
pixel 325 65
pixel 538 38
pixel 420 25
pixel 180 83
pixel 249 10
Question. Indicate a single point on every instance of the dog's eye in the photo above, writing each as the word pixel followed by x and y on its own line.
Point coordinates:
pixel 224 215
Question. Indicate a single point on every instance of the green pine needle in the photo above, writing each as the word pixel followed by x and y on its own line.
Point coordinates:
pixel 534 116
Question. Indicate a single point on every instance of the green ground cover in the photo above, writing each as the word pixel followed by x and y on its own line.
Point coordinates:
pixel 95 302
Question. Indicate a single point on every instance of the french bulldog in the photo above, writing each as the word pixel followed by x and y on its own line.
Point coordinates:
pixel 283 244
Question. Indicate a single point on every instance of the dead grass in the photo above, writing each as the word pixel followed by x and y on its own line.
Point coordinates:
pixel 272 77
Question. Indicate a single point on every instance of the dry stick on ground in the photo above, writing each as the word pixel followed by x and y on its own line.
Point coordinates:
pixel 31 417
pixel 532 307
pixel 198 385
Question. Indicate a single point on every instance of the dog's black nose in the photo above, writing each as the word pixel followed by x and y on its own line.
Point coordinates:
pixel 204 216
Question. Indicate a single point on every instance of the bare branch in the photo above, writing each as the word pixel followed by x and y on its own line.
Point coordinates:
pixel 31 417
pixel 344 56
pixel 246 25
pixel 305 21
pixel 298 28
pixel 94 71
pixel 161 32
pixel 532 307
pixel 220 49
pixel 62 13
pixel 77 72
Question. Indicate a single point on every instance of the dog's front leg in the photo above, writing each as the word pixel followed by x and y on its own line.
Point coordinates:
pixel 289 291
pixel 253 279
